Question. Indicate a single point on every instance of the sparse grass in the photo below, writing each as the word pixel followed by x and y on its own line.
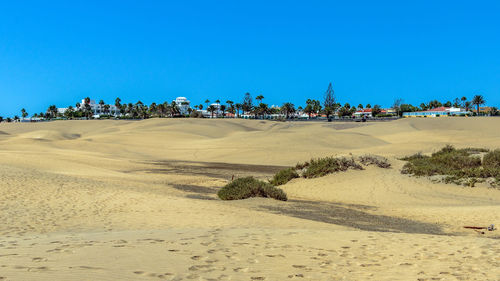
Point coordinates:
pixel 247 187
pixel 492 159
pixel 379 161
pixel 284 176
pixel 475 150
pixel 414 157
pixel 319 167
pixel 323 166
pixel 301 166
pixel 460 166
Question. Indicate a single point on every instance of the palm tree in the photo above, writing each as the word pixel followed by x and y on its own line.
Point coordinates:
pixel 259 98
pixel 223 109
pixel 211 109
pixel 153 108
pixel 52 111
pixel 287 108
pixel 478 100
pixel 217 108
pixel 101 105
pixel 263 109
pixel 435 104
pixel 207 101
pixel 467 105
pixel 68 113
pixel 230 106
pixel 238 107
pixel 106 108
pixel 132 110
pixel 493 111
pixel 160 109
pixel 24 113
pixel 87 107
pixel 463 99
pixel 309 110
pixel 174 109
pixel 119 106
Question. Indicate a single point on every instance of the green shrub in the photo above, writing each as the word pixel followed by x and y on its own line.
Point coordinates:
pixel 492 159
pixel 247 187
pixel 414 157
pixel 379 161
pixel 324 166
pixel 475 150
pixel 284 176
pixel 301 166
pixel 458 165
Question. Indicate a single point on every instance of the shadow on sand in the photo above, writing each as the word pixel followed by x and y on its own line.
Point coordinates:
pixel 348 215
pixel 213 169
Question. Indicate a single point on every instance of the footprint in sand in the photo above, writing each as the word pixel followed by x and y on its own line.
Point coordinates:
pixel 241 269
pixel 203 268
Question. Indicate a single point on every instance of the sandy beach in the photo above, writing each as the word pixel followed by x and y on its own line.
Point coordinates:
pixel 136 200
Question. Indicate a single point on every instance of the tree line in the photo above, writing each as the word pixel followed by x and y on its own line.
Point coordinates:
pixel 328 107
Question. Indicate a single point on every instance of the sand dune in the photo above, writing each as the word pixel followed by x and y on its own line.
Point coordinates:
pixel 135 200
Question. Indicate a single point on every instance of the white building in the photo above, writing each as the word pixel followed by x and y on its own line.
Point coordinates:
pixel 62 110
pixel 438 112
pixel 183 104
pixel 96 109
pixel 99 110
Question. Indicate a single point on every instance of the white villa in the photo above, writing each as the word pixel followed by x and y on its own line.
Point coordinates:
pixel 183 104
pixel 96 108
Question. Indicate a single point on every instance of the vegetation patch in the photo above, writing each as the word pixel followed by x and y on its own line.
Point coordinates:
pixel 323 166
pixel 284 176
pixel 378 161
pixel 319 167
pixel 247 187
pixel 466 166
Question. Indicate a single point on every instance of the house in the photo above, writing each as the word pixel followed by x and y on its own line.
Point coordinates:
pixel 437 112
pixel 96 109
pixel 485 109
pixel 367 113
pixel 183 104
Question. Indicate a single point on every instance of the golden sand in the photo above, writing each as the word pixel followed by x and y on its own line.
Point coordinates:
pixel 135 200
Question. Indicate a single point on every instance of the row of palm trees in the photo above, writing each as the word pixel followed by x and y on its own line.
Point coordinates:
pixel 329 107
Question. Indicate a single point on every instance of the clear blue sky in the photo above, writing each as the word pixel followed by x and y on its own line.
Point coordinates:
pixel 58 52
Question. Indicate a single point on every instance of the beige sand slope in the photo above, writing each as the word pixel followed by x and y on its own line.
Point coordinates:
pixel 135 200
